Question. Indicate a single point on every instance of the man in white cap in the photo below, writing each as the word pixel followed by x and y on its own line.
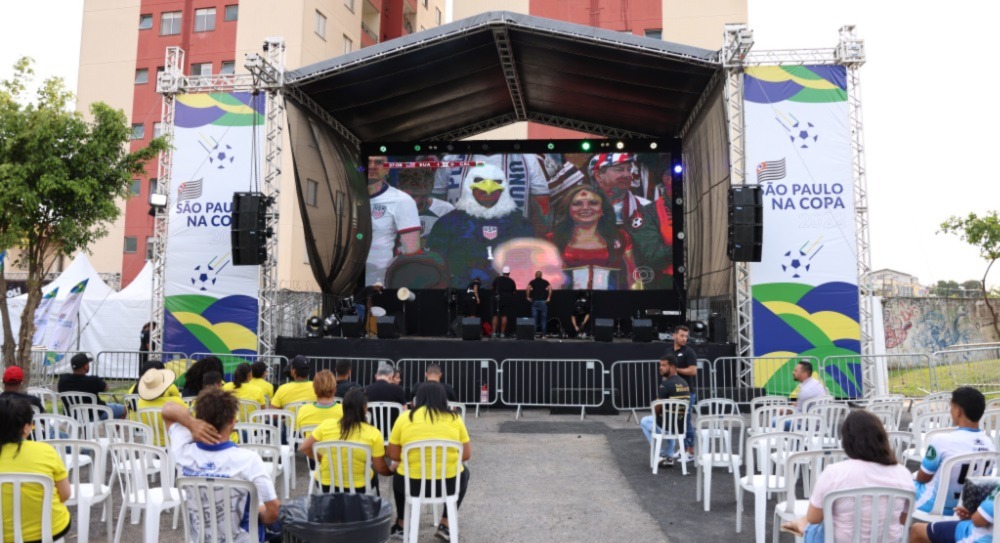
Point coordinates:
pixel 614 173
pixel 394 215
pixel 503 294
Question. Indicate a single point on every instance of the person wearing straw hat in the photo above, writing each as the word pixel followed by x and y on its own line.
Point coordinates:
pixel 153 387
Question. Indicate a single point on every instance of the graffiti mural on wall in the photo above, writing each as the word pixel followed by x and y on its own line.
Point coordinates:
pixel 925 325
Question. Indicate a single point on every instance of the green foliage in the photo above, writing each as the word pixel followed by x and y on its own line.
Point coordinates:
pixel 980 232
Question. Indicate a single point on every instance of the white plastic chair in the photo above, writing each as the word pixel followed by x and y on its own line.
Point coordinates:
pixel 888 412
pixel 975 464
pixel 89 417
pixel 879 519
pixel 921 425
pixel 431 452
pixel 49 426
pixel 293 407
pixel 993 404
pixel 382 414
pixel 458 407
pixel 715 450
pixel 338 455
pixel 131 402
pixel 671 423
pixel 805 466
pixel 810 426
pixel 284 421
pixel 269 454
pixel 17 481
pixel 989 423
pixel 49 397
pixel 716 407
pixel 833 415
pixel 766 478
pixel 927 406
pixel 128 431
pixel 153 417
pixel 764 401
pixel 762 419
pixel 247 407
pixel 267 434
pixel 86 491
pixel 808 405
pixel 203 516
pixel 900 442
pixel 131 463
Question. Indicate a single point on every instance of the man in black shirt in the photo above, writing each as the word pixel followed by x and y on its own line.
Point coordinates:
pixel 671 386
pixel 539 293
pixel 433 373
pixel 344 382
pixel 503 289
pixel 687 367
pixel 581 314
pixel 366 298
pixel 383 389
pixel 79 381
pixel 12 379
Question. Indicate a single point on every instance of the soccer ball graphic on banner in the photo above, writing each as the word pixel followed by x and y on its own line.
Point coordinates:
pixel 201 279
pixel 795 263
pixel 221 156
pixel 803 134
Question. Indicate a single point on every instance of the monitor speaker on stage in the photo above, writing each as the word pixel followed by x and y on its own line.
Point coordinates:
pixel 248 233
pixel 351 326
pixel 388 327
pixel 472 329
pixel 604 329
pixel 526 328
pixel 746 224
pixel 718 329
pixel 642 330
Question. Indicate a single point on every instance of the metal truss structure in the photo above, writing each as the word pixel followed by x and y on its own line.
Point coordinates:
pixel 266 74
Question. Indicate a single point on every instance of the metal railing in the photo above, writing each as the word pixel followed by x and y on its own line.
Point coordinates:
pixel 975 367
pixel 362 369
pixel 126 365
pixel 908 374
pixel 552 383
pixel 475 380
pixel 743 378
pixel 230 361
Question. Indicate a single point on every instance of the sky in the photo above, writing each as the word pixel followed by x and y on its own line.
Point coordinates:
pixel 924 103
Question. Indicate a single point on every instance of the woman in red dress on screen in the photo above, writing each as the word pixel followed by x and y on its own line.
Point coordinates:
pixel 596 254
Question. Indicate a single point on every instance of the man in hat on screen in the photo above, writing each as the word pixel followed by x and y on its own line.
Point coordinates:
pixel 79 381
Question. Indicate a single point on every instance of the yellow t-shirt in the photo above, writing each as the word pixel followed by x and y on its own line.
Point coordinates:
pixel 266 387
pixel 296 391
pixel 34 457
pixel 312 414
pixel 367 434
pixel 246 392
pixel 161 432
pixel 406 431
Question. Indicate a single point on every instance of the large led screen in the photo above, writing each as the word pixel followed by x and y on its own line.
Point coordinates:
pixel 585 220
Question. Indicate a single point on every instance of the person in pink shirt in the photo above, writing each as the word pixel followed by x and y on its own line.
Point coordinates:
pixel 870 463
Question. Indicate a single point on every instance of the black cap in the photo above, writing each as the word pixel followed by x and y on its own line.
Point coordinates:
pixel 80 360
pixel 301 365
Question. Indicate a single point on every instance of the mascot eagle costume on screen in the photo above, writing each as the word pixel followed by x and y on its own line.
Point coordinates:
pixel 485 216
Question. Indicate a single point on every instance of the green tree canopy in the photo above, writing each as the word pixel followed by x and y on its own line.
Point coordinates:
pixel 982 232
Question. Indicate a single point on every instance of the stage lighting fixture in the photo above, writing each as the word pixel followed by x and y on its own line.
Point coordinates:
pixel 330 323
pixel 383 148
pixel 620 145
pixel 314 327
pixel 680 235
pixel 699 331
pixel 416 147
pixel 551 146
pixel 678 168
pixel 653 145
pixel 157 200
pixel 681 269
pixel 679 201
pixel 585 146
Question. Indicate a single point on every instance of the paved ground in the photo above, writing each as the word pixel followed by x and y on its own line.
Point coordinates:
pixel 553 478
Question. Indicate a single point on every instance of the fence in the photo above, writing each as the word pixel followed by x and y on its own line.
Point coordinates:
pixel 126 365
pixel 474 380
pixel 906 374
pixel 976 367
pixel 741 379
pixel 362 369
pixel 552 383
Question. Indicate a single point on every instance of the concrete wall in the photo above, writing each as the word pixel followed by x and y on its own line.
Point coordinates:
pixel 925 325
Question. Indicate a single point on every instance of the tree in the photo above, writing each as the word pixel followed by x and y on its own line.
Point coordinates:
pixel 984 234
pixel 945 289
pixel 60 179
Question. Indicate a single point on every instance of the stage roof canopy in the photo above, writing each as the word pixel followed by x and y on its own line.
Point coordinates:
pixel 497 68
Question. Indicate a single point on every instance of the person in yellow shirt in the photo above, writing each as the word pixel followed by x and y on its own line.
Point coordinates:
pixel 353 428
pixel 152 395
pixel 20 455
pixel 172 390
pixel 259 371
pixel 430 418
pixel 243 390
pixel 324 408
pixel 299 390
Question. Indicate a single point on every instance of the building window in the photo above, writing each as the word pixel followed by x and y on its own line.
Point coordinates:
pixel 157 130
pixel 154 184
pixel 437 16
pixel 170 23
pixel 135 187
pixel 348 45
pixel 228 67
pixel 138 131
pixel 425 3
pixel 201 68
pixel 312 191
pixel 142 76
pixel 232 12
pixel 204 20
pixel 350 5
pixel 654 33
pixel 320 25
pixel 145 21
pixel 150 245
pixel 131 244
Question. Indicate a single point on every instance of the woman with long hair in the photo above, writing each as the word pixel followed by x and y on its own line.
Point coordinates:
pixel 352 427
pixel 596 254
pixel 241 387
pixel 430 418
pixel 871 462
pixel 19 455
pixel 194 375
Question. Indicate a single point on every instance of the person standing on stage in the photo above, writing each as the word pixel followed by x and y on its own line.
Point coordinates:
pixel 503 289
pixel 367 298
pixel 472 300
pixel 394 214
pixel 581 314
pixel 687 367
pixel 539 293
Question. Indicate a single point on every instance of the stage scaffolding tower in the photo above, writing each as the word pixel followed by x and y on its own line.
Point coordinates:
pixel 736 56
pixel 267 74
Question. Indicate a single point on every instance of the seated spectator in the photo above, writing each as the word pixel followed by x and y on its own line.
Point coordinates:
pixel 809 387
pixel 259 371
pixel 967 407
pixel 152 395
pixel 212 379
pixel 79 381
pixel 324 408
pixel 430 418
pixel 241 387
pixel 194 377
pixel 155 365
pixel 300 389
pixel 344 382
pixel 21 455
pixel 433 373
pixel 12 379
pixel 397 378
pixel 674 386
pixel 581 315
pixel 383 389
pixel 972 526
pixel 198 450
pixel 871 462
pixel 354 428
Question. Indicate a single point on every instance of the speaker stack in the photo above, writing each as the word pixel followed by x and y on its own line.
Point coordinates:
pixel 642 330
pixel 746 224
pixel 472 329
pixel 525 328
pixel 604 329
pixel 248 230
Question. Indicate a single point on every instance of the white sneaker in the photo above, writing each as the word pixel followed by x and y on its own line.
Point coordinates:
pixel 686 457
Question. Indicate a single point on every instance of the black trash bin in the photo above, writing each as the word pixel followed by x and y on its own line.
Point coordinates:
pixel 337 518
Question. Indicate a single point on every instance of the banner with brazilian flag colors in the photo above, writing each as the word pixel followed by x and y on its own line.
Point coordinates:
pixel 211 305
pixel 805 289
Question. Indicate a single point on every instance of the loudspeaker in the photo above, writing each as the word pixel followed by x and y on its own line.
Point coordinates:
pixel 642 330
pixel 351 326
pixel 388 327
pixel 248 229
pixel 472 329
pixel 746 224
pixel 526 328
pixel 718 329
pixel 604 329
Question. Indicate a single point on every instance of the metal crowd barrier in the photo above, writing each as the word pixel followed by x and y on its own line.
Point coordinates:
pixel 742 379
pixel 908 374
pixel 976 367
pixel 552 383
pixel 362 369
pixel 475 380
pixel 634 385
pixel 230 361
pixel 125 365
